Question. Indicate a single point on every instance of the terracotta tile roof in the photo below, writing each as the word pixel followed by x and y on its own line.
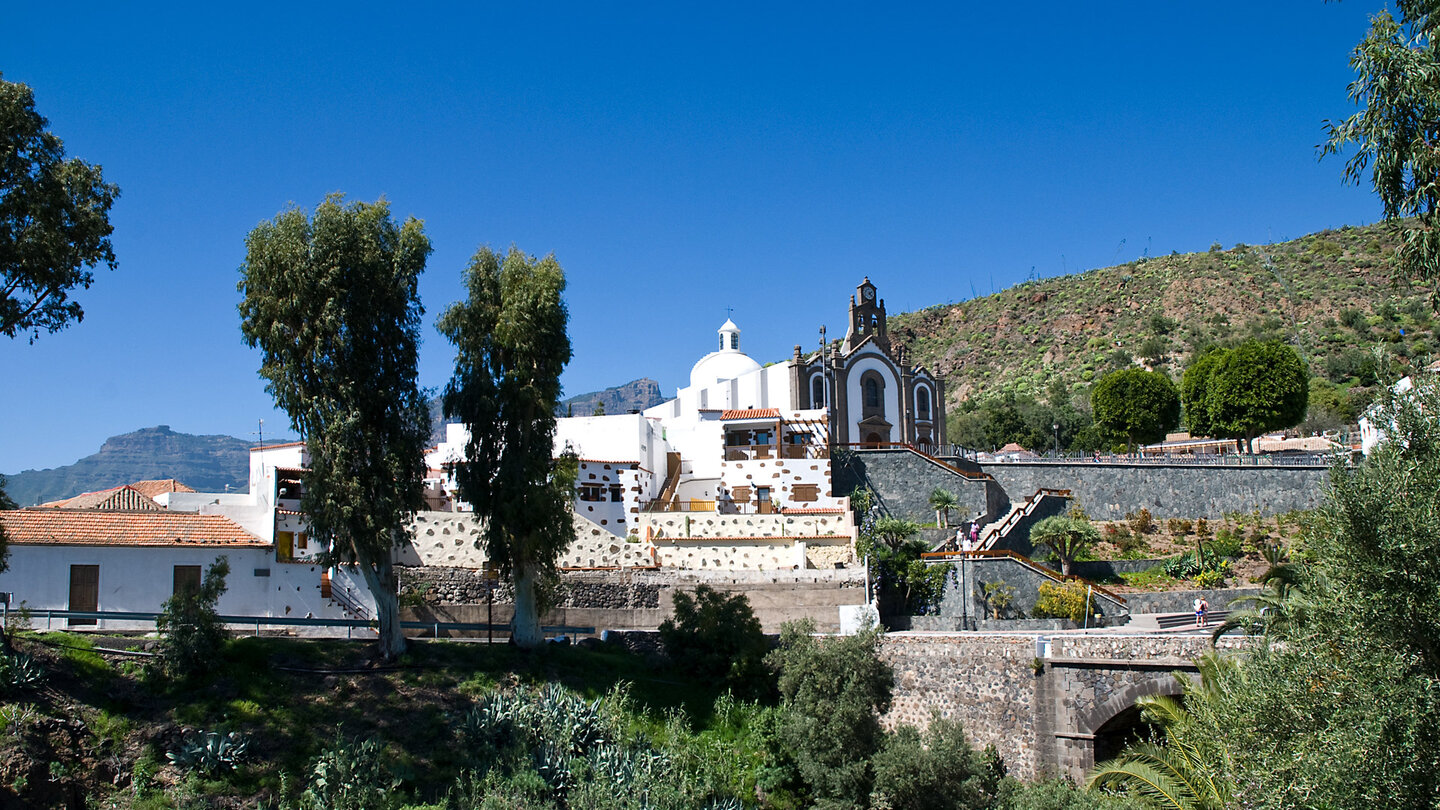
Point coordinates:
pixel 125 498
pixel 752 413
pixel 811 510
pixel 156 486
pixel 606 461
pixel 88 527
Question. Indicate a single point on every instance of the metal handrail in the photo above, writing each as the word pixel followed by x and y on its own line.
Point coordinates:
pixel 287 621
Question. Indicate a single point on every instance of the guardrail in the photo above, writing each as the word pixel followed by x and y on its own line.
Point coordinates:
pixel 1225 460
pixel 285 621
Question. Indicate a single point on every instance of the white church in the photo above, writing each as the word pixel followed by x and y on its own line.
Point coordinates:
pixel 744 450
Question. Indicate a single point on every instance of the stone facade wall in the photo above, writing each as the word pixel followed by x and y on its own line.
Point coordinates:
pixel 903 480
pixel 1025 582
pixel 688 525
pixel 1107 491
pixel 792 553
pixel 1184 601
pixel 985 681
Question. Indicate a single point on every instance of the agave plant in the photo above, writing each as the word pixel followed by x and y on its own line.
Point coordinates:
pixel 209 751
pixel 20 671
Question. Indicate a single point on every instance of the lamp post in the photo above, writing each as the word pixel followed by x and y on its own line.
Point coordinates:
pixel 1056 426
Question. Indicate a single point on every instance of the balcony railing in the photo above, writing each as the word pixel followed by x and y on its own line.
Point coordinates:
pixel 759 452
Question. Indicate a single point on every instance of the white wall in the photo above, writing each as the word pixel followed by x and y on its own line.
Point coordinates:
pixel 855 396
pixel 141 578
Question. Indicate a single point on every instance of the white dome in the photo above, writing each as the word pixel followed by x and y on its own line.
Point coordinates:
pixel 726 365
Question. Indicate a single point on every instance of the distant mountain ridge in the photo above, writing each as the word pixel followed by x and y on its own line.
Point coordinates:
pixel 212 463
pixel 207 463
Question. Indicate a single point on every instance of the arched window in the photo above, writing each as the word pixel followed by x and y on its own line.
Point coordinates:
pixel 722 341
pixel 922 402
pixel 872 394
pixel 817 391
pixel 734 340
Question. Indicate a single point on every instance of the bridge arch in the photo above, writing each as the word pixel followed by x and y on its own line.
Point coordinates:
pixel 1116 722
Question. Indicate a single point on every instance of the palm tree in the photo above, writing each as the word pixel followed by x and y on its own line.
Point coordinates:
pixel 1066 536
pixel 942 501
pixel 1173 774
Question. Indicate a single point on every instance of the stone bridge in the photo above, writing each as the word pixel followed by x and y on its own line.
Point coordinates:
pixel 1052 705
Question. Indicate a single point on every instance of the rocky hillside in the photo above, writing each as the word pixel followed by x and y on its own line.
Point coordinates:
pixel 211 463
pixel 636 395
pixel 207 463
pixel 1332 294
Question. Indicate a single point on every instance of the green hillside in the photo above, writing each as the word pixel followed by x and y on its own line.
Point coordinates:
pixel 1332 295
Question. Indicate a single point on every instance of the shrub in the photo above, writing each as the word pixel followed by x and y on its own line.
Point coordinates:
pixel 938 771
pixel 1227 543
pixel 997 597
pixel 1202 528
pixel 1179 526
pixel 833 691
pixel 1057 601
pixel 1210 578
pixel 1132 546
pixel 350 775
pixel 717 636
pixel 193 632
pixel 1141 521
pixel 1182 566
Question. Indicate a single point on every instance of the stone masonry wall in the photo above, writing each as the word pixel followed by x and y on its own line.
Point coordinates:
pixel 1108 491
pixel 904 481
pixel 689 525
pixel 1040 720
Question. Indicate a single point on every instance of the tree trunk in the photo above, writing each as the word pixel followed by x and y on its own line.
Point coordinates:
pixel 525 626
pixel 380 578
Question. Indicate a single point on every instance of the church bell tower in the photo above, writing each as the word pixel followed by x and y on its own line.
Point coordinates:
pixel 867 318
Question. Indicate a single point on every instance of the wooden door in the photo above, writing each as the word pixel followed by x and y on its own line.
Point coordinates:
pixel 84 590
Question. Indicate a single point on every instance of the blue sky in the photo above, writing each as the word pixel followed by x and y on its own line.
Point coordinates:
pixel 678 160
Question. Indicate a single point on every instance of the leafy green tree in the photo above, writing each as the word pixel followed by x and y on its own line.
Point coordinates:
pixel 942 501
pixel 333 303
pixel 894 532
pixel 6 502
pixel 54 221
pixel 1396 132
pixel 833 691
pixel 511 347
pixel 717 636
pixel 1067 536
pixel 938 770
pixel 191 631
pixel 1254 388
pixel 1348 668
pixel 1137 404
pixel 1195 390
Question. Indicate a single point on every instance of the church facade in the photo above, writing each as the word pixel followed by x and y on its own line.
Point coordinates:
pixel 873 393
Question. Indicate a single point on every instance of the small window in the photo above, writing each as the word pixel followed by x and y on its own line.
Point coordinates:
pixel 302 540
pixel 616 495
pixel 592 493
pixel 922 402
pixel 734 340
pixel 187 579
pixel 872 394
pixel 817 392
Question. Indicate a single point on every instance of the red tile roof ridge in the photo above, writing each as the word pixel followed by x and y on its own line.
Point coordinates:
pixel 751 413
pixel 91 527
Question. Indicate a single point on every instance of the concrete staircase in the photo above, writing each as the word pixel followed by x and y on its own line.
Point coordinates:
pixel 1012 531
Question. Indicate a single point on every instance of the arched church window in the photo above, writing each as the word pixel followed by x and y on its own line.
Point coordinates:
pixel 872 393
pixel 817 392
pixel 734 340
pixel 922 402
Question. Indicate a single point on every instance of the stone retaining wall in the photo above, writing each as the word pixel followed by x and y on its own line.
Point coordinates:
pixel 1108 491
pixel 903 480
pixel 1184 601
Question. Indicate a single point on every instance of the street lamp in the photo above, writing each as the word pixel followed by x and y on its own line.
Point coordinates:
pixel 1056 426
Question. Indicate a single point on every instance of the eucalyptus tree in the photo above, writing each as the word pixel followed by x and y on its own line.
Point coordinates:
pixel 511 346
pixel 54 220
pixel 332 302
pixel 1396 131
